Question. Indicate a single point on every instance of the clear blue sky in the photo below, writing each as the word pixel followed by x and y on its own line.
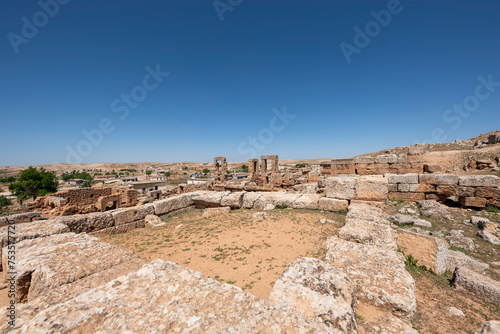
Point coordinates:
pixel 227 76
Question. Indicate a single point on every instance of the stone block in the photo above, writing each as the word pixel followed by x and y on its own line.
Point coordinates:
pixel 317 290
pixel 332 204
pixel 340 187
pixel 475 202
pixel 438 179
pixel 407 197
pixel 429 251
pixel 479 181
pixel 371 189
pixel 479 285
pixel 410 178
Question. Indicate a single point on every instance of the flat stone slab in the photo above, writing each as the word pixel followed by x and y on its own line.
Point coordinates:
pixel 378 273
pixel 458 259
pixel 477 284
pixel 164 297
pixel 368 233
pixel 318 290
pixel 44 264
pixel 36 229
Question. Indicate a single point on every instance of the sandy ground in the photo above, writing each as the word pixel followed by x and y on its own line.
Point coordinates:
pixel 232 248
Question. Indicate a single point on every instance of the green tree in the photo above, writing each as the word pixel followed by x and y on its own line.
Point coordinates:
pixel 167 174
pixel 148 172
pixel 77 175
pixel 4 201
pixel 206 171
pixel 32 182
pixel 244 168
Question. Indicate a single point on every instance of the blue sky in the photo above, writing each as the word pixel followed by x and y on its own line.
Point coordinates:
pixel 228 79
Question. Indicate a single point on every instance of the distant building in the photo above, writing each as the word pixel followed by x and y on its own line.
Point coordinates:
pixel 196 175
pixel 196 181
pixel 129 179
pixel 160 171
pixel 75 182
pixel 157 178
pixel 104 177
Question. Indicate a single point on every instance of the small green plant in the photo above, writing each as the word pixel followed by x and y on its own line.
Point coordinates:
pixel 360 317
pixel 282 206
pixel 492 208
pixel 343 211
pixel 397 201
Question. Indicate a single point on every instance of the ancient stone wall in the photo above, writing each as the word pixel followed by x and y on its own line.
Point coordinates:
pixel 476 191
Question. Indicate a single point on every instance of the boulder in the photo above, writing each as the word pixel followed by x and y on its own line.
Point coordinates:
pixel 457 239
pixel 452 312
pixel 482 286
pixel 472 202
pixel 386 324
pixel 432 168
pixel 319 291
pixel 327 221
pixel 308 188
pixel 379 274
pixel 431 208
pixel 491 238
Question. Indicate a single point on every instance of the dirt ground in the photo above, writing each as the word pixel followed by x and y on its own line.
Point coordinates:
pixel 233 248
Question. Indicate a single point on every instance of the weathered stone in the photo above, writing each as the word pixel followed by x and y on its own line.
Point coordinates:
pixel 33 230
pixel 406 197
pixel 430 208
pixel 307 188
pixel 402 219
pixel 366 212
pixel 318 290
pixel 233 200
pixel 249 199
pixel 457 239
pixel 380 205
pixel 23 217
pixel 438 179
pixel 386 159
pixel 269 207
pixel 171 299
pixel 340 187
pixel 491 238
pixel 307 201
pixel 484 224
pixel 379 274
pixel 402 178
pixel 368 233
pixel 45 263
pixel 458 259
pixel 371 189
pixel 489 327
pixel 432 168
pixel 488 192
pixel 327 221
pixel 479 181
pixel 474 202
pixel 452 312
pixel 466 191
pixel 332 204
pixel 387 324
pixel 477 284
pixel 174 203
pixel 134 213
pixel 447 190
pixel 210 212
pixel 429 251
pixel 153 221
pixel 123 228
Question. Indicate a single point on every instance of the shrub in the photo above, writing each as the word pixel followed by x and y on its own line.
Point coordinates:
pixel 492 208
pixel 282 206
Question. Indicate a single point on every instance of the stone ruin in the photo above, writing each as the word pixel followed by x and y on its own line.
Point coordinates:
pixel 85 200
pixel 65 284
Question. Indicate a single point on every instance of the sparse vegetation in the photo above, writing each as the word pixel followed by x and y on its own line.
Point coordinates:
pixel 4 201
pixel 33 183
pixel 281 206
pixel 491 208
